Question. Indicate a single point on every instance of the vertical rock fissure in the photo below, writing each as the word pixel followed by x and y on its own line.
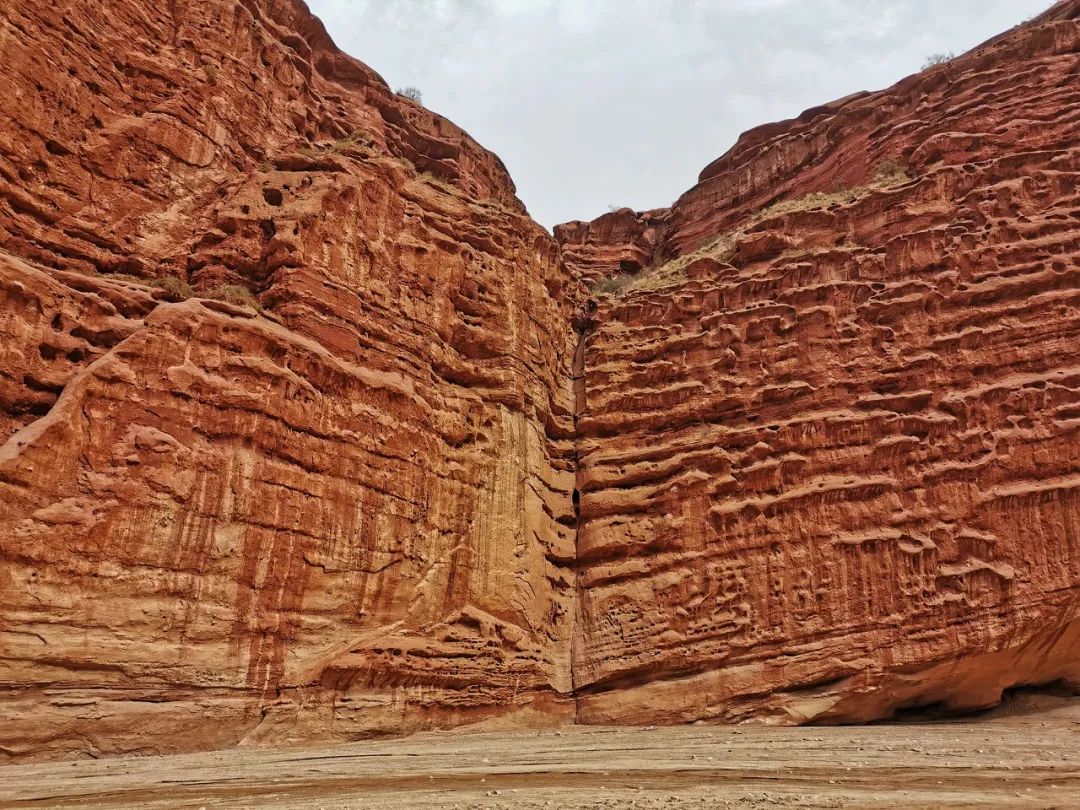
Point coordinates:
pixel 581 329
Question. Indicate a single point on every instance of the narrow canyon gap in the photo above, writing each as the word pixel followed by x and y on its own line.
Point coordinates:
pixel 309 432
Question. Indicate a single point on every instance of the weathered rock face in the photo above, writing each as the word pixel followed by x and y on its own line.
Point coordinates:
pixel 829 459
pixel 346 514
pixel 621 242
pixel 308 431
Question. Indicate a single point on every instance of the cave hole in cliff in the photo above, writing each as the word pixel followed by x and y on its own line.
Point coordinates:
pixel 273 196
pixel 40 408
pixel 41 386
pixel 1022 699
pixel 56 148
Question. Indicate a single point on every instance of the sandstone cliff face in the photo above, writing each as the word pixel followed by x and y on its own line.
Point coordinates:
pixel 828 454
pixel 308 431
pixel 337 506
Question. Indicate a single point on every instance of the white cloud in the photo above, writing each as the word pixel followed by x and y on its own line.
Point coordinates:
pixel 622 102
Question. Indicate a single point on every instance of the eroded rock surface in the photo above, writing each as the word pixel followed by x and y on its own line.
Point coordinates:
pixel 339 505
pixel 308 431
pixel 828 441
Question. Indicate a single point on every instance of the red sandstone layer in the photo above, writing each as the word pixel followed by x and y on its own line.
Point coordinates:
pixel 334 504
pixel 828 448
pixel 299 438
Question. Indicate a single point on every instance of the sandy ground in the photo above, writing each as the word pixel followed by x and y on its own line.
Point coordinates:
pixel 1026 756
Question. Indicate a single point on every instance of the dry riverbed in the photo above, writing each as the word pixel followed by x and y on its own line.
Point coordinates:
pixel 1025 756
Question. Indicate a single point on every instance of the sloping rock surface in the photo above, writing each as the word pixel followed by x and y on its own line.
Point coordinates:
pixel 308 431
pixel 285 391
pixel 829 460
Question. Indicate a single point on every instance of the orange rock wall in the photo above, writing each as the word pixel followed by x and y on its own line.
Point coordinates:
pixel 308 431
pixel 829 460
pixel 346 513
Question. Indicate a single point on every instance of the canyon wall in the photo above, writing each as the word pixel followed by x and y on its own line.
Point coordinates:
pixel 308 431
pixel 829 427
pixel 285 400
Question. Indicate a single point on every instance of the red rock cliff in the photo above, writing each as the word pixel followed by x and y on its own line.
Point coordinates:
pixel 829 461
pixel 306 433
pixel 284 386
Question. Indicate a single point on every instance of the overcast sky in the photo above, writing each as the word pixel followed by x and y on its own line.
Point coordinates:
pixel 600 103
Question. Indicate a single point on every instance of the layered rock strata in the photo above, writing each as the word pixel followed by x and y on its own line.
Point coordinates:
pixel 285 391
pixel 829 464
pixel 308 431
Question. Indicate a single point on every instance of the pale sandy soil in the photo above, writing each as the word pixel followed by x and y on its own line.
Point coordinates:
pixel 1027 756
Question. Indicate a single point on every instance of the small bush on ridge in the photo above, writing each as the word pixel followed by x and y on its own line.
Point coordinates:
pixel 938 59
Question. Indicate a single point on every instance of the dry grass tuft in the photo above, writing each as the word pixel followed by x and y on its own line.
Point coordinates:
pixel 174 287
pixel 438 182
pixel 235 294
